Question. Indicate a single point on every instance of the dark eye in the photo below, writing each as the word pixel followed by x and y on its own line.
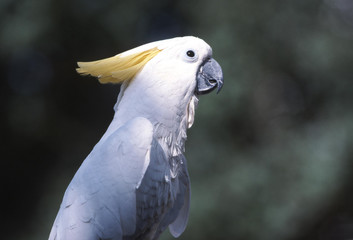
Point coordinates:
pixel 190 53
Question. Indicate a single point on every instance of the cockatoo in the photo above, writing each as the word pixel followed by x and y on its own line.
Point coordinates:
pixel 135 183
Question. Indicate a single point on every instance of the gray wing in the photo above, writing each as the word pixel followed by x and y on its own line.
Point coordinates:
pixel 100 202
pixel 163 196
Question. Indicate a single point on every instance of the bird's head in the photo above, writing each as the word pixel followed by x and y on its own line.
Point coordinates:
pixel 179 67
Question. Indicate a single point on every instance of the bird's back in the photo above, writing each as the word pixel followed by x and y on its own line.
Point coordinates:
pixel 127 188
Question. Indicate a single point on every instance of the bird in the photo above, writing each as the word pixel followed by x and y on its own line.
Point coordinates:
pixel 134 183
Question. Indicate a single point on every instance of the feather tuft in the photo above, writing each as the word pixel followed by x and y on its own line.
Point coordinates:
pixel 119 68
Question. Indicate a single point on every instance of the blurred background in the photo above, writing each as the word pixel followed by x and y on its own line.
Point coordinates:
pixel 270 157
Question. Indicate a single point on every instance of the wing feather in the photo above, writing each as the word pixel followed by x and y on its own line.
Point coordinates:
pixel 179 224
pixel 163 195
pixel 100 200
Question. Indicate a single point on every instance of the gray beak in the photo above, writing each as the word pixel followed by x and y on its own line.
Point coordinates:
pixel 209 77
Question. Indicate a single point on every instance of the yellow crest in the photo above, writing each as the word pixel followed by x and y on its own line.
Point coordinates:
pixel 119 68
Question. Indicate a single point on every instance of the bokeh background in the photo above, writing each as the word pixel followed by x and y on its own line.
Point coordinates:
pixel 270 157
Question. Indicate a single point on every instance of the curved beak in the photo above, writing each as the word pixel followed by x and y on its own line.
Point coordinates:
pixel 209 77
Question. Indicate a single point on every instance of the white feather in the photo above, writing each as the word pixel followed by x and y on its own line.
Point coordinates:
pixel 100 200
pixel 135 183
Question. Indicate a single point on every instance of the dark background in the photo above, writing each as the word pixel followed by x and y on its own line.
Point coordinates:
pixel 270 157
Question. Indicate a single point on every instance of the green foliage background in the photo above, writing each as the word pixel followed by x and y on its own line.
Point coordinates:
pixel 270 157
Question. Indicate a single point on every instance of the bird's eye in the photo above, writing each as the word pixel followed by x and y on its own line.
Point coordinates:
pixel 190 53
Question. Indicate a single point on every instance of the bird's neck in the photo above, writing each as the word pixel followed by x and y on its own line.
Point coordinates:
pixel 170 116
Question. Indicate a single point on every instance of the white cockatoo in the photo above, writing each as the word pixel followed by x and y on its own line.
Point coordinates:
pixel 135 183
